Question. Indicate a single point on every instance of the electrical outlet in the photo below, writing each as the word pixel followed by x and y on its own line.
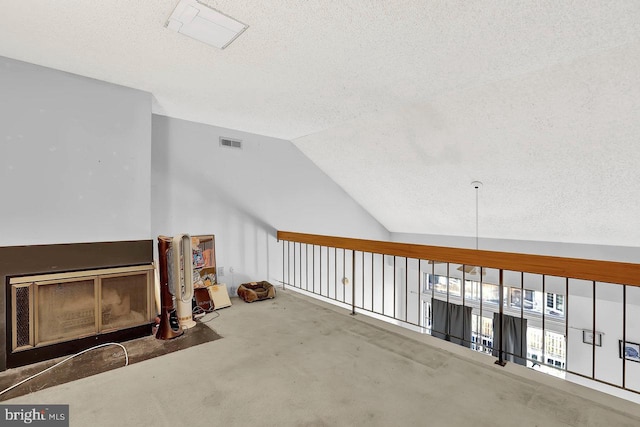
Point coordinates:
pixel 220 271
pixel 231 270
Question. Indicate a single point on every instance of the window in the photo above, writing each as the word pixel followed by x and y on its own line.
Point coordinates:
pixel 455 286
pixel 515 297
pixel 529 299
pixel 555 345
pixel 427 280
pixel 534 338
pixel 482 333
pixel 439 283
pixel 472 290
pixel 555 304
pixel 426 307
pixel 490 293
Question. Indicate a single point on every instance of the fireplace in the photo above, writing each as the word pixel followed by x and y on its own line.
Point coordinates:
pixel 64 298
pixel 53 308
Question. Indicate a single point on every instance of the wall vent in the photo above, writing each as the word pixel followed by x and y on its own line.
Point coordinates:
pixel 231 143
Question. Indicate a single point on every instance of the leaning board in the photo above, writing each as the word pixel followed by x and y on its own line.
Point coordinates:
pixel 220 296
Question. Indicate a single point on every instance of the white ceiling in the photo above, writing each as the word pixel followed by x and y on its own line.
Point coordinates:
pixel 402 103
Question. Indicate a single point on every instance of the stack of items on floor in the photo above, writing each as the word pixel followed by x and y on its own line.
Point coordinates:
pixel 209 294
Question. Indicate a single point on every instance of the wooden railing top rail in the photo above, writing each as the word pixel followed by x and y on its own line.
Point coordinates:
pixel 577 268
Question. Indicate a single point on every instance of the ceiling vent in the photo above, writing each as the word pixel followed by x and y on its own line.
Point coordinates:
pixel 200 22
pixel 231 143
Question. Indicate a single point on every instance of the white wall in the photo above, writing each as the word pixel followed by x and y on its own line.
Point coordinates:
pixel 572 250
pixel 76 161
pixel 244 196
pixel 74 158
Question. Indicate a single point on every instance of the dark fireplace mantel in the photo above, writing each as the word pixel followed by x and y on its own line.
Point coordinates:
pixel 16 261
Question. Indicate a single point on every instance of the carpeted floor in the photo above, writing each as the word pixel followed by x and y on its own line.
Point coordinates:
pixel 296 361
pixel 99 360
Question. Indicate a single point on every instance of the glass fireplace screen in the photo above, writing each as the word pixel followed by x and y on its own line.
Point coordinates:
pixel 48 309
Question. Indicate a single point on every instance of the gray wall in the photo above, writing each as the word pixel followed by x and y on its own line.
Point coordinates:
pixel 74 158
pixel 571 250
pixel 244 196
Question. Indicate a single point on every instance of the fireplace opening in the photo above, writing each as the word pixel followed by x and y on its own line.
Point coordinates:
pixel 53 309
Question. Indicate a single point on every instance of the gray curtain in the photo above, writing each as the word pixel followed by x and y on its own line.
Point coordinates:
pixel 451 322
pixel 515 338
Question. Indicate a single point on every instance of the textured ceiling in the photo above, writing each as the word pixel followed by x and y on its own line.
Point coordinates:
pixel 402 103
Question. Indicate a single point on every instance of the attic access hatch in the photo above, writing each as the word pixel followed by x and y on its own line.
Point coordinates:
pixel 200 22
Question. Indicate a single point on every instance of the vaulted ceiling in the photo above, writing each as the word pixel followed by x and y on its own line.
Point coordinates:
pixel 402 103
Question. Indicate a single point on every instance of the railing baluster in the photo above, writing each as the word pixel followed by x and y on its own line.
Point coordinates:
pixel 462 289
pixel 433 293
pixel 362 305
pixel 544 309
pixel 500 360
pixel 481 320
pixel 335 271
pixel 406 289
pixel 419 293
pixel 344 273
pixel 566 323
pixel 288 262
pixel 395 273
pixel 624 334
pixel 353 283
pixel 522 332
pixel 447 328
pixel 313 267
pixel 282 264
pixel 320 269
pixel 593 344
pixel 373 256
pixel 383 262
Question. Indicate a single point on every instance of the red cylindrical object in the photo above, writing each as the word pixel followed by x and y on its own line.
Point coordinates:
pixel 168 327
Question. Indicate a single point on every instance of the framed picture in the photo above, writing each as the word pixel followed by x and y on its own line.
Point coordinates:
pixel 588 336
pixel 630 351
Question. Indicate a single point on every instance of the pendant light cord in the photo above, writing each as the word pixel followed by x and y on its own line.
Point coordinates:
pixel 477 185
pixel 476 218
